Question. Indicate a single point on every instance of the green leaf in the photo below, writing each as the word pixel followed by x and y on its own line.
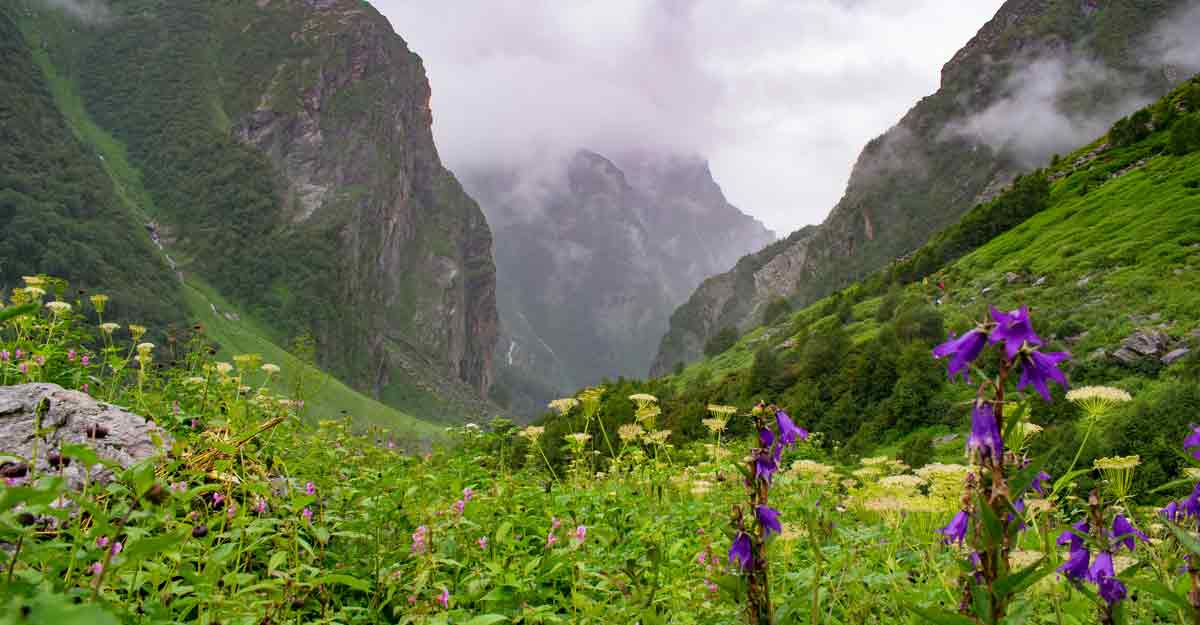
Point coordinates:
pixel 991 523
pixel 278 559
pixel 139 550
pixel 1066 479
pixel 1026 577
pixel 487 619
pixel 502 532
pixel 13 312
pixel 345 580
pixel 1024 478
pixel 84 454
pixel 1160 590
pixel 1185 539
pixel 941 617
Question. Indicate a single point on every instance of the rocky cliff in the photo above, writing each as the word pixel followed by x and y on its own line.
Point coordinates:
pixel 1038 78
pixel 592 255
pixel 287 153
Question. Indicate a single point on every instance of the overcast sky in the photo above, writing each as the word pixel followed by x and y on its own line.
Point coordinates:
pixel 779 95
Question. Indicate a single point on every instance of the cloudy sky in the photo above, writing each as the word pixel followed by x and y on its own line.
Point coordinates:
pixel 779 95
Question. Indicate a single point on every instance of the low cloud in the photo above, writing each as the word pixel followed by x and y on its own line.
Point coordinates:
pixel 93 11
pixel 1046 109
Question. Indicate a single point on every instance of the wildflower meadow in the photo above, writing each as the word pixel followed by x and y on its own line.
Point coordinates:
pixel 258 512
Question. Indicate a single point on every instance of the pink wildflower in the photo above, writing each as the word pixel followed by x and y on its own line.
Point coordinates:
pixel 307 514
pixel 71 355
pixel 97 568
pixel 581 533
pixel 468 493
pixel 444 598
pixel 459 506
pixel 554 523
pixel 260 506
pixel 117 547
pixel 310 488
pixel 482 542
pixel 102 542
pixel 551 539
pixel 85 360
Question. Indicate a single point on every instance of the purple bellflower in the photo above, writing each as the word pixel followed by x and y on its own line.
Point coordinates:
pixel 1076 566
pixel 1124 533
pixel 962 351
pixel 768 518
pixel 739 552
pixel 1039 481
pixel 1171 512
pixel 985 432
pixel 956 531
pixel 1037 369
pixel 1191 444
pixel 1014 330
pixel 788 432
pixel 1102 574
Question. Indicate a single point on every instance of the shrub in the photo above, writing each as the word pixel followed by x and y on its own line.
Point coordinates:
pixel 721 341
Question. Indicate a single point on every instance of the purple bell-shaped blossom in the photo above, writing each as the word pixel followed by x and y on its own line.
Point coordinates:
pixel 985 432
pixel 1037 369
pixel 1014 330
pixel 788 432
pixel 1191 444
pixel 768 518
pixel 1124 533
pixel 1102 574
pixel 956 530
pixel 1171 512
pixel 740 552
pixel 1039 482
pixel 962 351
pixel 1076 566
pixel 1074 536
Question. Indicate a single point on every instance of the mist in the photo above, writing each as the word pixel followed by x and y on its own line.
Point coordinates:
pixel 92 11
pixel 1047 106
pixel 778 96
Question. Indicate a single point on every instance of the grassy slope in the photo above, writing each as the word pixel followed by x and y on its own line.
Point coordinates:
pixel 1135 238
pixel 330 398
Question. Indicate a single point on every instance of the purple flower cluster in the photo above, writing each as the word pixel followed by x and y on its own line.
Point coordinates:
pixel 766 462
pixel 1100 572
pixel 1015 331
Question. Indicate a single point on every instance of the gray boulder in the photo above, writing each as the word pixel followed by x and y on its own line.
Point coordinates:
pixel 1175 354
pixel 72 417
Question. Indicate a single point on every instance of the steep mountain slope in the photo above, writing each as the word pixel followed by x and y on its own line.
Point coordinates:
pixel 59 211
pixel 1039 77
pixel 51 162
pixel 591 258
pixel 287 154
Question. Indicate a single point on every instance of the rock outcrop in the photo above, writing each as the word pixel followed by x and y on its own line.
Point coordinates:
pixel 944 156
pixel 70 417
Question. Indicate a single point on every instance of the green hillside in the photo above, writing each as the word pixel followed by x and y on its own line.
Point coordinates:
pixel 1103 246
pixel 157 298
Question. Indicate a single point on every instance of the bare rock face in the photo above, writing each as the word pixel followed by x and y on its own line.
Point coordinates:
pixel 72 417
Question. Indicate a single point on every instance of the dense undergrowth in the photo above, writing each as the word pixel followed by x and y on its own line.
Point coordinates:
pixel 259 516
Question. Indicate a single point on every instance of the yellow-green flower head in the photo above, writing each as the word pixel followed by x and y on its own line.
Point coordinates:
pixel 563 405
pixel 144 349
pixel 136 331
pixel 109 327
pixel 1096 400
pixel 658 437
pixel 718 410
pixel 901 483
pixel 874 461
pixel 1118 463
pixel 270 368
pixel 643 398
pixel 247 362
pixel 714 425
pixel 630 432
pixel 58 308
pixel 195 380
pixel 33 280
pixel 533 432
pixel 224 368
pixel 579 438
pixel 34 292
pixel 98 302
pixel 591 395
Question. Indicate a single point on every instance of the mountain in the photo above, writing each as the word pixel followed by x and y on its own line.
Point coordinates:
pixel 1039 78
pixel 592 254
pixel 1102 246
pixel 281 154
